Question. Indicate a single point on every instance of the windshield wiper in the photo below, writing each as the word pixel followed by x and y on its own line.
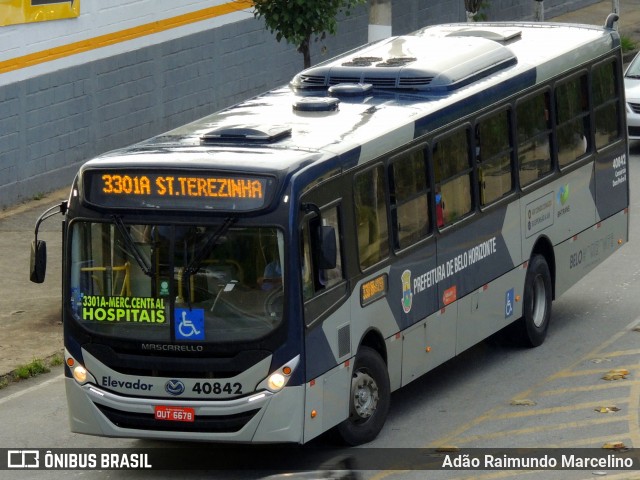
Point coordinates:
pixel 142 262
pixel 196 262
pixel 207 248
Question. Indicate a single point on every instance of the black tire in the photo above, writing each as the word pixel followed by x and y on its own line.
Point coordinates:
pixel 538 295
pixel 369 399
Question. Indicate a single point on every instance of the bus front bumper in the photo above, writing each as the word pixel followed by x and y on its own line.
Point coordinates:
pixel 263 417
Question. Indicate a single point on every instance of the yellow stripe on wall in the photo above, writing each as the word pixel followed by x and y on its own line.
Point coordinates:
pixel 122 36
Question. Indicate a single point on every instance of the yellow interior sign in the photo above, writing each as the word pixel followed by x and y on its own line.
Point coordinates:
pixel 29 11
pixel 373 290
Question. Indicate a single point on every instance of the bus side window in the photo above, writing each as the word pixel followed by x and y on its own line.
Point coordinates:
pixel 371 216
pixel 494 154
pixel 534 135
pixel 606 102
pixel 572 119
pixel 453 172
pixel 409 198
pixel 315 279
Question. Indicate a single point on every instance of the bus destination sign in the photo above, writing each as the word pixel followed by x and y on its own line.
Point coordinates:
pixel 175 190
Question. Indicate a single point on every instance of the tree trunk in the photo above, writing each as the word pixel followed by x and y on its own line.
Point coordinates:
pixel 379 20
pixel 538 12
pixel 305 50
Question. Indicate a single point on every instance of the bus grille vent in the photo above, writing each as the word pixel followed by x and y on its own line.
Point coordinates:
pixel 202 424
pixel 381 82
pixel 344 340
pixel 415 81
pixel 313 80
pixel 158 365
pixel 335 80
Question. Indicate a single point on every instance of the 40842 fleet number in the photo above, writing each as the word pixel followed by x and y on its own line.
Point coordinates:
pixel 217 388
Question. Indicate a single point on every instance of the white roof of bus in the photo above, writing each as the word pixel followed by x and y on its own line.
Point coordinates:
pixel 382 119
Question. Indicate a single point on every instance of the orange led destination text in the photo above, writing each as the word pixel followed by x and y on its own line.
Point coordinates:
pixel 165 185
pixel 373 289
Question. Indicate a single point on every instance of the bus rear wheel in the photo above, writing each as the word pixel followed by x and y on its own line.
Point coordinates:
pixel 369 398
pixel 536 313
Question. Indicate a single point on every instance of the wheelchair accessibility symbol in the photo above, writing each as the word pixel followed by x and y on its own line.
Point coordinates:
pixel 508 303
pixel 189 324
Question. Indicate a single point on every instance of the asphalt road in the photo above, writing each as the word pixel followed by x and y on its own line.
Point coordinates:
pixel 466 403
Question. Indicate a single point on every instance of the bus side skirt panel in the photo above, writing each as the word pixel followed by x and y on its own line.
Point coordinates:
pixel 428 344
pixel 490 308
pixel 588 249
pixel 327 400
pixel 462 324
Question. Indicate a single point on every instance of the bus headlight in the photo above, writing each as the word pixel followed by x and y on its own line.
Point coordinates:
pixel 80 374
pixel 278 379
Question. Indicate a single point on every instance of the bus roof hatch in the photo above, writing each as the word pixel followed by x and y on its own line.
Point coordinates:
pixel 246 134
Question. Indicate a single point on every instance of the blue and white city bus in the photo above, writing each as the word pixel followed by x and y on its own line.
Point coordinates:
pixel 278 268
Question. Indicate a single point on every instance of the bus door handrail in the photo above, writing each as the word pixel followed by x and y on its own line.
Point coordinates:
pixel 125 290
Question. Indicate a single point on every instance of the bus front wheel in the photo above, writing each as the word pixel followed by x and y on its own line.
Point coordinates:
pixel 536 312
pixel 369 398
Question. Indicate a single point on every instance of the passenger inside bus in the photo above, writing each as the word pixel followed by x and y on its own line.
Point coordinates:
pixel 439 209
pixel 272 276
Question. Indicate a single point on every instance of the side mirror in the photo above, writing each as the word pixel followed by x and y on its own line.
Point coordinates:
pixel 38 266
pixel 328 251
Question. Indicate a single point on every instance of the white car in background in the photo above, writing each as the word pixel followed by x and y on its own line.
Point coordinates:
pixel 632 93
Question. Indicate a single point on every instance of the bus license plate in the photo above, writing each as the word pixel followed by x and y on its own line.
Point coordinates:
pixel 175 414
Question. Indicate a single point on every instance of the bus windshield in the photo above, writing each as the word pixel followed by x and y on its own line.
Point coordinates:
pixel 184 283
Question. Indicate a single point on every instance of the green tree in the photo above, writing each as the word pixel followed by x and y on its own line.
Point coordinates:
pixel 298 20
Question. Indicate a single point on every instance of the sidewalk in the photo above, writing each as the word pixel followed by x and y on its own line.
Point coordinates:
pixel 30 320
pixel 30 316
pixel 596 14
